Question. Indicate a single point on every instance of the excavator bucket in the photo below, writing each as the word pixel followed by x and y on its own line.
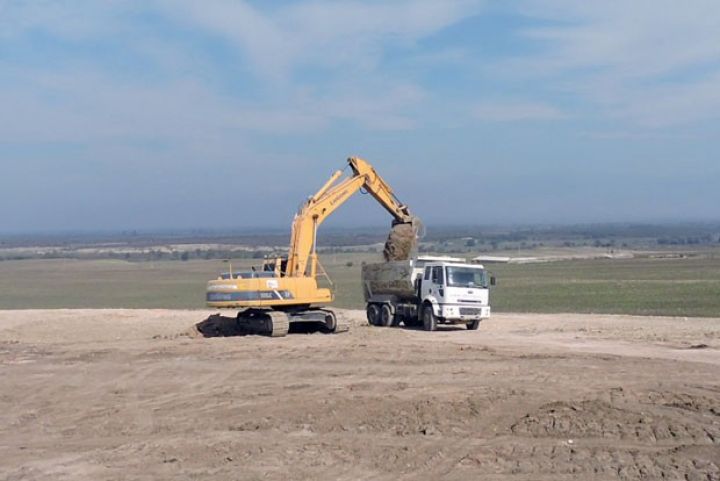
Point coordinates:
pixel 402 240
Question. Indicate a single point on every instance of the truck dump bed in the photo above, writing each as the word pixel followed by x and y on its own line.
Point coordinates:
pixel 392 279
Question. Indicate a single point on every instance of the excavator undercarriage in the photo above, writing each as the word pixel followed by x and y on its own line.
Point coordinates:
pixel 277 323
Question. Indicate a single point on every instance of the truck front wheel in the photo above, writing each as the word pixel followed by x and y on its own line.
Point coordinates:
pixel 429 319
pixel 373 314
pixel 473 325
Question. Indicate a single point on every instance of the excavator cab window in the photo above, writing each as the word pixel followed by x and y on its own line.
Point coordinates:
pixel 271 266
pixel 246 275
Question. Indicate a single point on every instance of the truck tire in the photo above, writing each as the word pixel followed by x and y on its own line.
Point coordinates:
pixel 473 325
pixel 373 314
pixel 429 319
pixel 387 318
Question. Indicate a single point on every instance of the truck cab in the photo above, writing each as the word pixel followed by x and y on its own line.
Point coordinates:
pixel 455 293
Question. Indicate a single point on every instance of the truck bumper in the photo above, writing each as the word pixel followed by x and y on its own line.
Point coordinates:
pixel 463 313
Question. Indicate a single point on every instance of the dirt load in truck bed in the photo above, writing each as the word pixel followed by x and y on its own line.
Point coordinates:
pixel 132 394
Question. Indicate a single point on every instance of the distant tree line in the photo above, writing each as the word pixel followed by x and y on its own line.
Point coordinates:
pixel 134 246
pixel 681 241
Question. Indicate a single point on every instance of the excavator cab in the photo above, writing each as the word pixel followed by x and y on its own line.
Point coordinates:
pixel 278 265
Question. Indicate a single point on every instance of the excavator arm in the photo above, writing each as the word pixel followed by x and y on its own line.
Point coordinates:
pixel 302 257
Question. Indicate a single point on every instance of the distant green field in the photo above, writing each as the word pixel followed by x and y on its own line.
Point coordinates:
pixel 677 287
pixel 60 283
pixel 671 287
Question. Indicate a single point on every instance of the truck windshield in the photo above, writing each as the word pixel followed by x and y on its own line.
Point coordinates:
pixel 466 277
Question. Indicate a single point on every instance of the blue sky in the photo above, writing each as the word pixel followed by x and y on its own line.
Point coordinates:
pixel 226 114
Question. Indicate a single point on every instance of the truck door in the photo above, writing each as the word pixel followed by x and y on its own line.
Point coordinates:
pixel 433 282
pixel 426 287
pixel 438 281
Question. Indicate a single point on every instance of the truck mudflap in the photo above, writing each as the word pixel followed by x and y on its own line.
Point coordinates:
pixel 463 313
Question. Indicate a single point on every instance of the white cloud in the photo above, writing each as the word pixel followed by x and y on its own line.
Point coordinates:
pixel 650 63
pixel 635 39
pixel 80 100
pixel 513 111
pixel 653 63
pixel 671 104
pixel 348 35
pixel 72 19
pixel 91 107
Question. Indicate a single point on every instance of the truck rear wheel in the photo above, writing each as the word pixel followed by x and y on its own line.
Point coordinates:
pixel 473 325
pixel 429 319
pixel 373 314
pixel 386 316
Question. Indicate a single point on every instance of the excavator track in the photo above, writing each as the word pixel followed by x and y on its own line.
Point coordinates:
pixel 333 324
pixel 342 326
pixel 278 324
pixel 265 321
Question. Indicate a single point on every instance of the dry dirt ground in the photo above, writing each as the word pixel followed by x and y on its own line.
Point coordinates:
pixel 134 395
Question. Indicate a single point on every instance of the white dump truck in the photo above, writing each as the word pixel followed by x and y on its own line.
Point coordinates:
pixel 426 291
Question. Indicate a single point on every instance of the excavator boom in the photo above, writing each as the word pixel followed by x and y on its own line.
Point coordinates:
pixel 302 256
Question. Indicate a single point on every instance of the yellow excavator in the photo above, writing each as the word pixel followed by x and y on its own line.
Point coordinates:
pixel 286 289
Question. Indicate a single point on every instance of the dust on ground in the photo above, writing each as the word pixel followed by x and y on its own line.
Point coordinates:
pixel 132 394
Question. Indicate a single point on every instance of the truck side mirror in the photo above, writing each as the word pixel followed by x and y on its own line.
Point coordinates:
pixel 493 281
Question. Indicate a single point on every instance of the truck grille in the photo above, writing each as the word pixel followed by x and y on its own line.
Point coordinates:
pixel 470 311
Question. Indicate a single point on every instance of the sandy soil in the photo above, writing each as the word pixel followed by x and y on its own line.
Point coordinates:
pixel 134 395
